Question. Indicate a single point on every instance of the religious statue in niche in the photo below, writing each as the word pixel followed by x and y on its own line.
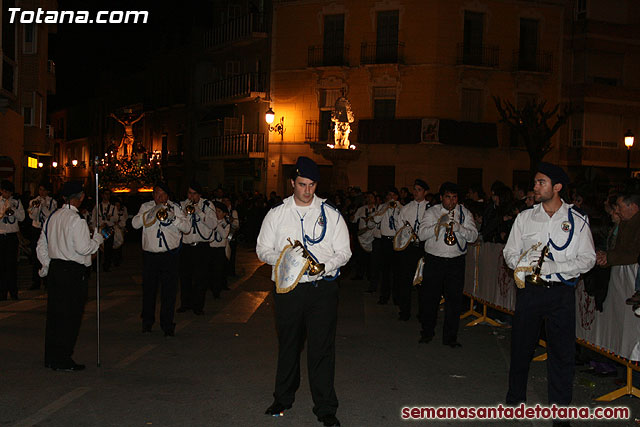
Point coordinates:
pixel 125 148
pixel 342 117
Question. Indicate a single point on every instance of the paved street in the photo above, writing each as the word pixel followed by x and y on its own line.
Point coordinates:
pixel 219 368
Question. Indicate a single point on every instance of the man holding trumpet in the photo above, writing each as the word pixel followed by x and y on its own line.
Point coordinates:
pixel 11 213
pixel 307 305
pixel 39 211
pixel 549 246
pixel 162 223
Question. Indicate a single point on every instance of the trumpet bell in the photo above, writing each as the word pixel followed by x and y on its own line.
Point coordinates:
pixel 162 214
pixel 450 238
pixel 9 212
pixel 36 203
pixel 190 209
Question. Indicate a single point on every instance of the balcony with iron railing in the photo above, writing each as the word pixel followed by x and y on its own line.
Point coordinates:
pixel 245 145
pixel 51 77
pixel 478 56
pixel 8 75
pixel 249 27
pixel 381 53
pixel 242 86
pixel 537 62
pixel 328 56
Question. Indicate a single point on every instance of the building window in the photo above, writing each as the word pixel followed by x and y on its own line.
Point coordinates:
pixel 471 107
pixel 30 38
pixel 27 112
pixel 472 38
pixel 384 102
pixel 333 43
pixel 387 36
pixel 581 9
pixel 527 56
pixel 576 137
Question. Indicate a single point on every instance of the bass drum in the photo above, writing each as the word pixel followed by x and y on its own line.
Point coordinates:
pixel 366 241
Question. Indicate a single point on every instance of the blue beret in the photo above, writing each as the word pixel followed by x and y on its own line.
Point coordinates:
pixel 555 173
pixel 70 188
pixel 220 206
pixel 422 184
pixel 393 190
pixel 307 168
pixel 448 187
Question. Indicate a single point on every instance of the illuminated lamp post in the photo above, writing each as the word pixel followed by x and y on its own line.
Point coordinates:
pixel 628 142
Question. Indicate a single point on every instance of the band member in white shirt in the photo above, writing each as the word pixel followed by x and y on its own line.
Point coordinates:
pixel 552 239
pixel 64 250
pixel 365 225
pixel 388 217
pixel 218 244
pixel 40 208
pixel 162 222
pixel 11 213
pixel 447 229
pixel 413 214
pixel 311 306
pixel 234 221
pixel 194 257
pixel 105 217
pixel 120 230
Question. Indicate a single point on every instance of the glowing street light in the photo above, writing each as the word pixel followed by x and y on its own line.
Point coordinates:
pixel 74 162
pixel 628 142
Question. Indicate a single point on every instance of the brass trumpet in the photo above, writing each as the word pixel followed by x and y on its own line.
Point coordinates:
pixel 35 203
pixel 190 209
pixel 162 214
pixel 534 278
pixel 393 204
pixel 450 238
pixel 9 212
pixel 315 267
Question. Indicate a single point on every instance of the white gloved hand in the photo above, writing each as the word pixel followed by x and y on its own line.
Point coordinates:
pixel 44 270
pixel 298 251
pixel 533 256
pixel 548 267
pixel 98 237
pixel 171 215
pixel 456 226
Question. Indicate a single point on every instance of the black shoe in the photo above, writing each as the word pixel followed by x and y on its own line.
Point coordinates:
pixel 382 301
pixel 453 344
pixel 67 367
pixel 198 312
pixel 34 287
pixel 329 420
pixel 404 317
pixel 146 329
pixel 182 309
pixel 277 409
pixel 169 333
pixel 425 340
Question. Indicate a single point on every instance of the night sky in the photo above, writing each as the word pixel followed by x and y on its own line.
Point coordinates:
pixel 83 51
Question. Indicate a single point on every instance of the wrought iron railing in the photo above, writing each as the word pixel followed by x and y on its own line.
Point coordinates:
pixel 233 87
pixel 540 62
pixel 324 56
pixel 235 29
pixel 481 56
pixel 381 53
pixel 231 145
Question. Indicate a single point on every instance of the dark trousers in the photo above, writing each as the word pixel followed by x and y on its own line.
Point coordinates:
pixel 361 260
pixel 160 270
pixel 312 310
pixel 375 260
pixel 409 259
pixel 193 275
pixel 218 265
pixel 8 265
pixel 390 271
pixel 108 253
pixel 66 297
pixel 556 307
pixel 442 277
pixel 231 264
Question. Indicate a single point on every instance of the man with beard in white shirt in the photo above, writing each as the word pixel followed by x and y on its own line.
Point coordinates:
pixel 311 307
pixel 162 222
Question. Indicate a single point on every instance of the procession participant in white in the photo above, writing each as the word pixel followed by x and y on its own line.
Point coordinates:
pixel 11 213
pixel 412 214
pixel 40 208
pixel 64 250
pixel 553 240
pixel 194 257
pixel 105 217
pixel 217 251
pixel 447 229
pixel 388 217
pixel 310 306
pixel 162 222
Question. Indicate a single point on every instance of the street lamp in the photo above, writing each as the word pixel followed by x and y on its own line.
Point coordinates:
pixel 269 116
pixel 628 142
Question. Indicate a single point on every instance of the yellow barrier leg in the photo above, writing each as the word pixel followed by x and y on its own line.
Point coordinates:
pixel 627 390
pixel 471 311
pixel 543 356
pixel 483 318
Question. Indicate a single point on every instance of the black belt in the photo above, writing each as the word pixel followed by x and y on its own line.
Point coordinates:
pixel 6 235
pixel 418 243
pixel 388 237
pixel 544 283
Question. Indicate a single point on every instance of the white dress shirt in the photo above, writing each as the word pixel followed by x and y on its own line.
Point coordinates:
pixel 389 219
pixel 160 236
pixel 107 215
pixel 9 224
pixel 66 237
pixel 413 213
pixel 536 226
pixel 435 245
pixel 291 221
pixel 201 222
pixel 121 217
pixel 39 215
pixel 220 234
